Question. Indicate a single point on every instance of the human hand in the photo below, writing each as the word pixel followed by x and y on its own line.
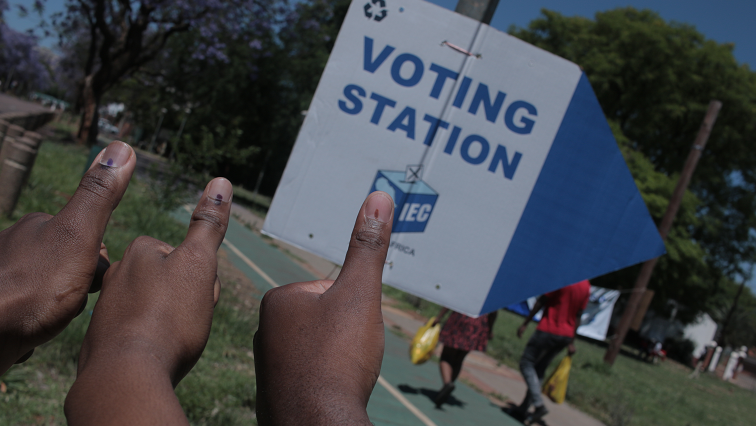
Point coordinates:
pixel 521 330
pixel 49 263
pixel 151 323
pixel 319 345
pixel 571 349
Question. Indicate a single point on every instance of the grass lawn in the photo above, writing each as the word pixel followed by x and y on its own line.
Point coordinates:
pixel 633 392
pixel 221 387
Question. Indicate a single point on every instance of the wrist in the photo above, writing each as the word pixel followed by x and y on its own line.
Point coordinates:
pixel 126 354
pixel 276 407
pixel 128 388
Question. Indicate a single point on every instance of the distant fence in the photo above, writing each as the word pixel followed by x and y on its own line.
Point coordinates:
pixel 19 144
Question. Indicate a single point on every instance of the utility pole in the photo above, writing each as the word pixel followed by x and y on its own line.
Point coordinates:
pixel 669 216
pixel 480 10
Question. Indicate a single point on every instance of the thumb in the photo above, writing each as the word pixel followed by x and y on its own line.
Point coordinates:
pixel 361 276
pixel 100 190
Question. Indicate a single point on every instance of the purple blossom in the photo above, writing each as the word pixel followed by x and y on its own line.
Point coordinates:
pixel 20 60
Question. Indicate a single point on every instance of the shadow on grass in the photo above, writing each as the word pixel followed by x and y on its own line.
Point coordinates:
pixel 431 394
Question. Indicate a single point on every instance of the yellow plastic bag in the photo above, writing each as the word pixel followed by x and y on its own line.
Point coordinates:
pixel 556 387
pixel 424 342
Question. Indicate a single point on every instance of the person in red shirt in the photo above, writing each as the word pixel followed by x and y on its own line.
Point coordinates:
pixel 562 310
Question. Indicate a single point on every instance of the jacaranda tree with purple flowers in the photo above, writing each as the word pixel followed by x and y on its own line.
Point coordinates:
pixel 21 64
pixel 122 36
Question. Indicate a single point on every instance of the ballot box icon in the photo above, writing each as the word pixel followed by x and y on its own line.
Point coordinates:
pixel 413 201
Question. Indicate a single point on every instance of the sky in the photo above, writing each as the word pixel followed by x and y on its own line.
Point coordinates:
pixel 724 21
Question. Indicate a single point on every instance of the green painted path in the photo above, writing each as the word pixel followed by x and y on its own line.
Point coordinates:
pixel 415 385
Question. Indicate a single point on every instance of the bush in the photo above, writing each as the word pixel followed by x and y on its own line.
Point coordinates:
pixel 680 349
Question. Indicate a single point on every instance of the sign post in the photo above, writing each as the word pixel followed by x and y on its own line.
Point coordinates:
pixel 480 10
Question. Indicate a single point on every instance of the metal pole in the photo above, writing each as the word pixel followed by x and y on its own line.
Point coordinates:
pixel 480 10
pixel 669 216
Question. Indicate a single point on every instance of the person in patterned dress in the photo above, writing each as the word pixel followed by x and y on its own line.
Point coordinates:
pixel 460 335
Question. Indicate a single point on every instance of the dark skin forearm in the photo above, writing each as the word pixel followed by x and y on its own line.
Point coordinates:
pixel 440 315
pixel 537 307
pixel 125 389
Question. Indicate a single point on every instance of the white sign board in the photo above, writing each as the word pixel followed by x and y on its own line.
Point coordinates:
pixel 594 323
pixel 506 178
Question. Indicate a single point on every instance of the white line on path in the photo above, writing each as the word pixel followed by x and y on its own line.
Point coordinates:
pixel 250 263
pixel 419 414
pixel 392 390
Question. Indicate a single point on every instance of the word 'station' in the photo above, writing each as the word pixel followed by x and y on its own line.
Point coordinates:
pixel 519 116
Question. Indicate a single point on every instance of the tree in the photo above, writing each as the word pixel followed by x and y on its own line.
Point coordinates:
pixel 21 64
pixel 226 111
pixel 123 36
pixel 654 81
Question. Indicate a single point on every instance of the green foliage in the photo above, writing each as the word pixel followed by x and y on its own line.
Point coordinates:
pixel 413 303
pixel 210 148
pixel 680 349
pixel 220 390
pixel 232 113
pixel 654 81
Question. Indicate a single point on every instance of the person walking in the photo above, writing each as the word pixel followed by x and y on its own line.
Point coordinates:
pixel 460 335
pixel 562 310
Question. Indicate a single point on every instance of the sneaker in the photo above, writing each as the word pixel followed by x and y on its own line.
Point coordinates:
pixel 537 415
pixel 443 394
pixel 517 413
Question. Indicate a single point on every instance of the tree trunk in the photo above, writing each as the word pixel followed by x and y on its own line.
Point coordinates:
pixel 723 331
pixel 90 102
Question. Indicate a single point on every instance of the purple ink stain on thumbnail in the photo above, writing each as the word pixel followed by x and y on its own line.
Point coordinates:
pixel 219 197
pixel 110 162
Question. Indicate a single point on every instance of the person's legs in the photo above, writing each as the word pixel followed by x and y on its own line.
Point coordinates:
pixel 445 364
pixel 552 345
pixel 450 366
pixel 533 352
pixel 459 358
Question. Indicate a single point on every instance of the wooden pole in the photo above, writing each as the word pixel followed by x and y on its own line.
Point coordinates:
pixel 480 10
pixel 12 176
pixel 669 216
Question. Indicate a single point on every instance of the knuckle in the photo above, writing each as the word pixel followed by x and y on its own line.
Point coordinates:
pixel 369 238
pixel 143 244
pixel 210 218
pixel 274 299
pixel 99 185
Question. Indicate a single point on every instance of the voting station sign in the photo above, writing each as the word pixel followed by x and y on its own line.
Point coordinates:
pixel 506 178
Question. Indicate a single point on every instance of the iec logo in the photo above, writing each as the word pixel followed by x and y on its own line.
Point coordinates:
pixel 414 200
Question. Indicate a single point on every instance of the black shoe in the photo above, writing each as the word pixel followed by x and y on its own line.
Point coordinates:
pixel 443 394
pixel 537 415
pixel 517 413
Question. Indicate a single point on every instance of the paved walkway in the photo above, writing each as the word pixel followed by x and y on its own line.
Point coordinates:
pixel 10 103
pixel 405 391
